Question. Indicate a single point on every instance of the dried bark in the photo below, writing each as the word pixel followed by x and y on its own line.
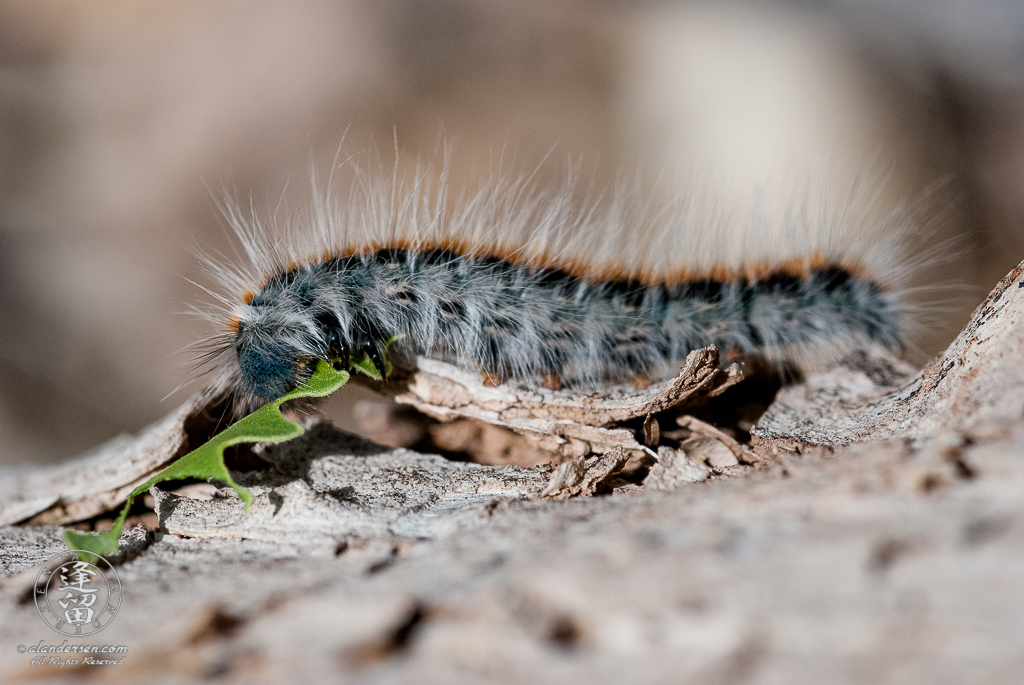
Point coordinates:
pixel 98 481
pixel 976 384
pixel 564 422
pixel 876 536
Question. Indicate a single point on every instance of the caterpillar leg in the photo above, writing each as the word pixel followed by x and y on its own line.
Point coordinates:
pixel 334 350
pixel 551 381
pixel 373 349
pixel 491 379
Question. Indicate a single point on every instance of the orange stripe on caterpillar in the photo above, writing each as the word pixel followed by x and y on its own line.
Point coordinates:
pixel 752 271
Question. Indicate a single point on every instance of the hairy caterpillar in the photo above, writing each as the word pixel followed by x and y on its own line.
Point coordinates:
pixel 543 286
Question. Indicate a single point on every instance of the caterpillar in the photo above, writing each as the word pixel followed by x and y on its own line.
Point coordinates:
pixel 545 286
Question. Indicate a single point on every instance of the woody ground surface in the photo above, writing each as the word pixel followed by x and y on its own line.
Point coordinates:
pixel 868 528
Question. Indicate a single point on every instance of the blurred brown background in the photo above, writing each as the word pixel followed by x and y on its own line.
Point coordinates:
pixel 118 118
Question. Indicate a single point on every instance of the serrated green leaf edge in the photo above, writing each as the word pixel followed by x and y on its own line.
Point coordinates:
pixel 266 424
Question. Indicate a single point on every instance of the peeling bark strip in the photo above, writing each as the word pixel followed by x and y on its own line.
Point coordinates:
pixel 874 397
pixel 99 480
pixel 564 422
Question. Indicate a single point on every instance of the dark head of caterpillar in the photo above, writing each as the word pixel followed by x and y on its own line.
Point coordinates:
pixel 294 321
pixel 269 368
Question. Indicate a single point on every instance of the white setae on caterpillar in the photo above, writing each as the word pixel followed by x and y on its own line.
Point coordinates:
pixel 540 287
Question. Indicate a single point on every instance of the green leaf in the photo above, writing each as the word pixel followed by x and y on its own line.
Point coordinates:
pixel 361 362
pixel 266 424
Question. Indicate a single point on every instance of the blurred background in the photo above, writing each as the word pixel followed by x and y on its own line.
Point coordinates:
pixel 118 119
